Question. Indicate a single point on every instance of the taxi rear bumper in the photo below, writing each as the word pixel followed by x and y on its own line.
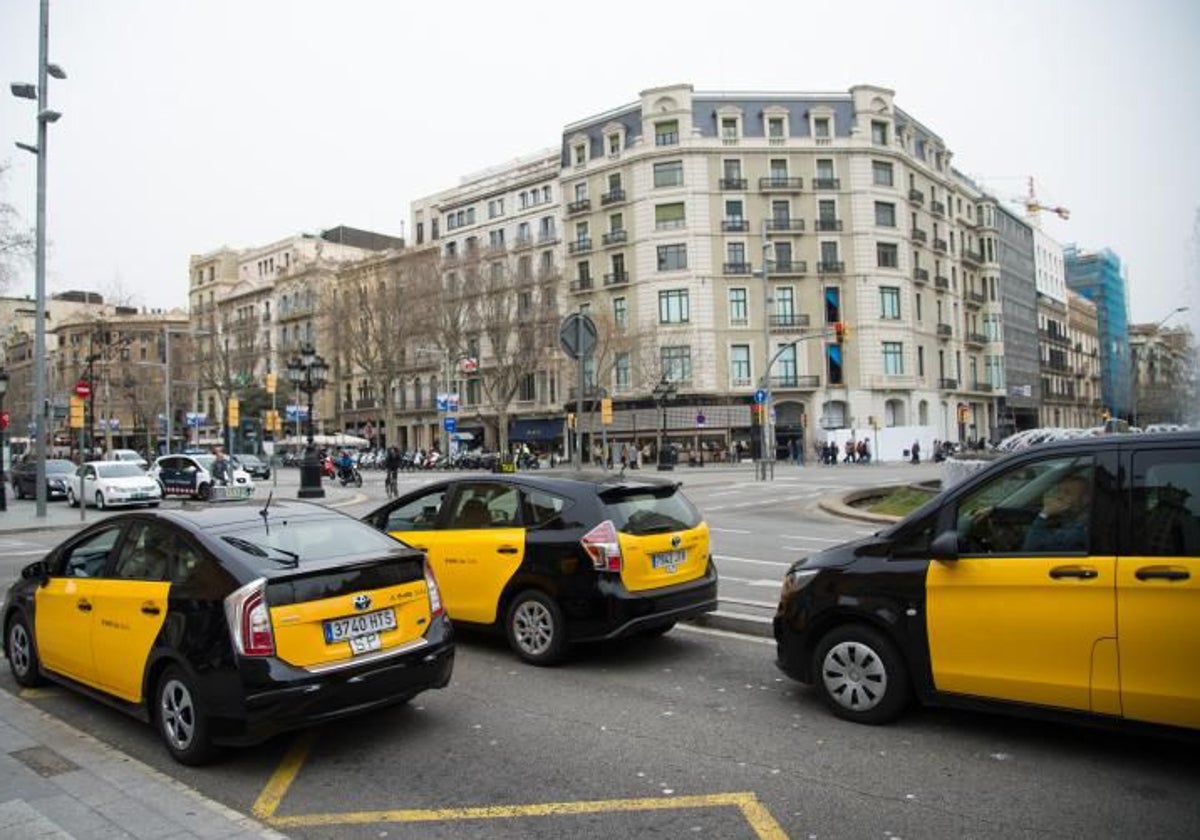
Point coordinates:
pixel 620 612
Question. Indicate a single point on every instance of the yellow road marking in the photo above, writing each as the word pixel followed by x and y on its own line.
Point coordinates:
pixel 284 775
pixel 38 693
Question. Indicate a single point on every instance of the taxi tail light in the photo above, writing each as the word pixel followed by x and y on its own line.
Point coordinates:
pixel 250 620
pixel 602 546
pixel 435 594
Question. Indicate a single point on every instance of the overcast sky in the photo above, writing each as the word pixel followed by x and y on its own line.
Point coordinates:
pixel 189 125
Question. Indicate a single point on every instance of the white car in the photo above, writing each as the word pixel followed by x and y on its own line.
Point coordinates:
pixel 111 483
pixel 191 476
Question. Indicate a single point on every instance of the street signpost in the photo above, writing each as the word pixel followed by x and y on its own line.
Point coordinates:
pixel 83 389
pixel 577 336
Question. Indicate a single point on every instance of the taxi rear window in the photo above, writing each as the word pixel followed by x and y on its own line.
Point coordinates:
pixel 651 511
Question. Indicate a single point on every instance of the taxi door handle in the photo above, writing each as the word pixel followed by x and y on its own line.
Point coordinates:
pixel 83 605
pixel 150 608
pixel 1081 572
pixel 1171 573
pixel 507 549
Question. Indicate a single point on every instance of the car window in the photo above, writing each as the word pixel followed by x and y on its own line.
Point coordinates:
pixel 305 540
pixel 1037 508
pixel 485 505
pixel 146 552
pixel 1166 503
pixel 119 469
pixel 196 574
pixel 541 509
pixel 652 512
pixel 87 559
pixel 418 514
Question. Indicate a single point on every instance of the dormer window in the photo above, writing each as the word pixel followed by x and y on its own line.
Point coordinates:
pixel 879 132
pixel 821 128
pixel 614 145
pixel 666 133
pixel 579 154
pixel 729 129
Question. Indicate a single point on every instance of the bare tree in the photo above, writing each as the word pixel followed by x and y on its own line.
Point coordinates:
pixel 17 241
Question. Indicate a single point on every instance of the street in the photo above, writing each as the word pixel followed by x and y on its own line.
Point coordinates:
pixel 695 734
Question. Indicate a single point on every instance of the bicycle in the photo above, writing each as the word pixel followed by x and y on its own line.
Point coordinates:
pixel 390 486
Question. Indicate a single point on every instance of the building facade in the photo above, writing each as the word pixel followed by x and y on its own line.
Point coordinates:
pixel 1164 375
pixel 1099 277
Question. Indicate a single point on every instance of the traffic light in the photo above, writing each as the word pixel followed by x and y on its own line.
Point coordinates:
pixel 270 383
pixel 75 418
pixel 570 419
pixel 839 331
pixel 234 412
pixel 4 418
pixel 606 411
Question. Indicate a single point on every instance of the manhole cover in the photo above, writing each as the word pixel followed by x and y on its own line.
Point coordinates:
pixel 44 761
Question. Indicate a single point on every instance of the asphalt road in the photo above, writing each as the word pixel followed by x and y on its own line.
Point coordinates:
pixel 692 735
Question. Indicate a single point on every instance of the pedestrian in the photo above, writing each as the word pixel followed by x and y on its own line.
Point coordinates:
pixel 866 451
pixel 916 452
pixel 860 451
pixel 849 459
pixel 220 467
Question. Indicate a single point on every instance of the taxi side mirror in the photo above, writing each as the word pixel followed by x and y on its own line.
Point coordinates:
pixel 944 546
pixel 39 571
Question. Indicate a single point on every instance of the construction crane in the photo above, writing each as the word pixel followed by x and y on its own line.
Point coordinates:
pixel 1033 206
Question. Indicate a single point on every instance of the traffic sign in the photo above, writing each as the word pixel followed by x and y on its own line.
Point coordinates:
pixel 700 419
pixel 577 335
pixel 450 424
pixel 760 396
pixel 83 389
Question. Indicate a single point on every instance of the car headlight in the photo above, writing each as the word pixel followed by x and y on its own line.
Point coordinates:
pixel 797 578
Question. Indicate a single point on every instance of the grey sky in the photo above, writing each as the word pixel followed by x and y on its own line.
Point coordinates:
pixel 188 125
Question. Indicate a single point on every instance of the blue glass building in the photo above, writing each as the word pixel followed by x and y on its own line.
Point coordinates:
pixel 1098 277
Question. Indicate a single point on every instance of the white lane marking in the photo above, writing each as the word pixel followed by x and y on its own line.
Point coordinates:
pixel 724 634
pixel 782 564
pixel 813 539
pixel 751 582
pixel 729 530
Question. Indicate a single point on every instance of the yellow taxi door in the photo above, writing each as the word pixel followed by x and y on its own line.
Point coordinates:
pixel 473 565
pixel 1158 591
pixel 64 607
pixel 1012 623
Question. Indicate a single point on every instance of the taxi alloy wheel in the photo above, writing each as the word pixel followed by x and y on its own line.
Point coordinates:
pixel 535 628
pixel 861 675
pixel 181 721
pixel 22 656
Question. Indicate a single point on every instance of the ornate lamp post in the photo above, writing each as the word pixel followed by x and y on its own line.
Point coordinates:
pixel 664 391
pixel 307 372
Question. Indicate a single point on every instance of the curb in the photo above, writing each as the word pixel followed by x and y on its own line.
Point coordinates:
pixel 747 625
pixel 838 505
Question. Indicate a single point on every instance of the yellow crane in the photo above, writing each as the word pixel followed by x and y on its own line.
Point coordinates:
pixel 1033 206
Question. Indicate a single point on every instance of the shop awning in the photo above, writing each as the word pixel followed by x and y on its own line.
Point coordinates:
pixel 526 429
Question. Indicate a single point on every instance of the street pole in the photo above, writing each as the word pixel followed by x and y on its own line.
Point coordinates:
pixel 39 340
pixel 765 426
pixel 167 383
pixel 578 457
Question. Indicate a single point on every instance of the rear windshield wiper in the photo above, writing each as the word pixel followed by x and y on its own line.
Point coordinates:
pixel 290 559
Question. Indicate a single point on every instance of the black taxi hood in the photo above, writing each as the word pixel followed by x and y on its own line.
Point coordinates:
pixel 838 556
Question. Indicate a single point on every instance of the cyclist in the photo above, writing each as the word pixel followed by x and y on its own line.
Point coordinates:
pixel 392 464
pixel 346 465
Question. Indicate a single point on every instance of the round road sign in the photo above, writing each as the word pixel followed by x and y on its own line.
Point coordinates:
pixel 82 389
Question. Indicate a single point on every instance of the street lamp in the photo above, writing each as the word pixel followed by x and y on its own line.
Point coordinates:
pixel 1133 414
pixel 3 428
pixel 663 391
pixel 307 372
pixel 45 116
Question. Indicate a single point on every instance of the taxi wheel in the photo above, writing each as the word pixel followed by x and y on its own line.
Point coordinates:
pixel 535 630
pixel 861 675
pixel 22 654
pixel 181 722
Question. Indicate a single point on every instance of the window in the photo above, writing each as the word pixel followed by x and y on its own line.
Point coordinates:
pixel 833 305
pixel 621 312
pixel 821 127
pixel 785 366
pixel 738 307
pixel 581 191
pixel 826 212
pixel 729 128
pixel 731 170
pixel 580 155
pixel 893 358
pixel 1166 492
pixel 668 174
pixel 616 222
pixel 887 255
pixel 614 145
pixel 833 363
pixel 677 363
pixel 889 303
pixel 528 391
pixel 829 253
pixel 824 170
pixel 879 133
pixel 734 211
pixel 918 305
pixel 778 170
pixel 921 365
pixel 785 305
pixel 666 133
pixel 885 214
pixel 583 271
pixel 783 256
pixel 672 257
pixel 546 194
pixel 735 256
pixel 669 216
pixel 523 233
pixel 88 558
pixel 495 208
pixel 739 365
pixel 673 306
pixel 621 371
pixel 485 505
pixel 775 128
pixel 781 213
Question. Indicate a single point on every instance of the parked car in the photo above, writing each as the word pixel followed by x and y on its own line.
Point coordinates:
pixel 112 483
pixel 58 473
pixel 190 476
pixel 555 561
pixel 254 466
pixel 128 456
pixel 229 623
pixel 1062 580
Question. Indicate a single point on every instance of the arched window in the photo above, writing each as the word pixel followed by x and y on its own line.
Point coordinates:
pixel 893 413
pixel 417 392
pixel 923 413
pixel 833 415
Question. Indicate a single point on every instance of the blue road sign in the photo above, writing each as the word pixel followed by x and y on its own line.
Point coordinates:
pixel 760 396
pixel 450 424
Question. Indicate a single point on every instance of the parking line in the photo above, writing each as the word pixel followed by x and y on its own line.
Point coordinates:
pixel 277 786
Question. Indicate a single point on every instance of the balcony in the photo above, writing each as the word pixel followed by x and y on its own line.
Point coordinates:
pixel 916 197
pixel 828 225
pixel 985 387
pixel 942 284
pixel 941 245
pixel 667 138
pixel 580 206
pixel 780 183
pixel 580 246
pixel 496 249
pixel 789 268
pixel 733 183
pixel 945 331
pixel 617 278
pixel 948 384
pixel 937 208
pixel 830 267
pixel 919 235
pixel 807 382
pixel 614 237
pixel 612 197
pixel 973 257
pixel 920 275
pixel 975 339
pixel 790 321
pixel 736 268
pixel 827 183
pixel 975 299
pixel 522 242
pixel 734 225
pixel 582 284
pixel 547 237
pixel 784 225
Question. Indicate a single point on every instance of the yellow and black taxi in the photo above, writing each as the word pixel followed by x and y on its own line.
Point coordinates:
pixel 1061 581
pixel 555 561
pixel 226 624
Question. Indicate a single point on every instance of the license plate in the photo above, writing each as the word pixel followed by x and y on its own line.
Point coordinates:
pixel 668 560
pixel 365 644
pixel 357 626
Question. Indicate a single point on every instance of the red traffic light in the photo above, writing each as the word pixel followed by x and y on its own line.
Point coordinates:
pixel 839 330
pixel 4 420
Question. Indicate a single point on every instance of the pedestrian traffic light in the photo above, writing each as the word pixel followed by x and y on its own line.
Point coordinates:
pixel 839 331
pixel 75 418
pixel 234 412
